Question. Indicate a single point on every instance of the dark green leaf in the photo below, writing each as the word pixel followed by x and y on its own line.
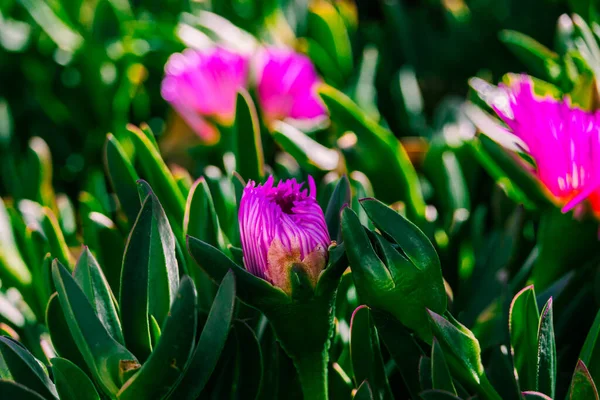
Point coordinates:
pixel 440 374
pixel 104 356
pixel 438 395
pixel 149 277
pixel 341 195
pixel 249 152
pixel 367 363
pixel 90 278
pixel 392 162
pixel 211 342
pixel 122 177
pixel 167 362
pixel 71 382
pixel 523 323
pixel 13 390
pixel 546 355
pixel 19 365
pixel 364 392
pixel 582 384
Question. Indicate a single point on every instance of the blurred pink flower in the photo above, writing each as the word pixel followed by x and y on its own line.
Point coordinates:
pixel 287 84
pixel 282 227
pixel 564 142
pixel 204 84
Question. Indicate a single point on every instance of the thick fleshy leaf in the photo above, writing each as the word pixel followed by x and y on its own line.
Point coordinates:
pixel 540 60
pixel 211 342
pixel 107 360
pixel 56 239
pixel 546 353
pixel 71 382
pixel 368 138
pixel 440 374
pixel 18 365
pixel 201 220
pixel 160 373
pixel 403 348
pixel 90 278
pixel 590 352
pixel 523 323
pixel 341 195
pixel 250 361
pixel 122 177
pixel 438 395
pixel 159 176
pixel 364 392
pixel 149 277
pixel 11 261
pixel 461 349
pixel 13 390
pixel 249 152
pixel 326 27
pixel 531 395
pixel 583 386
pixel 107 243
pixel 216 264
pixel 367 362
pixel 61 337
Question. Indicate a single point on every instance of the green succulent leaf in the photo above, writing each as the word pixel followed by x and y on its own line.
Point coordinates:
pixel 391 164
pixel 160 373
pixel 249 152
pixel 583 386
pixel 364 392
pixel 440 374
pixel 104 356
pixel 541 61
pixel 341 196
pixel 546 355
pixel 438 395
pixel 531 395
pixel 211 343
pixel 18 365
pixel 56 239
pixel 71 382
pixel 159 176
pixel 523 322
pixel 367 362
pixel 252 290
pixel 590 352
pixel 149 277
pixel 250 376
pixel 62 340
pixel 11 261
pixel 90 278
pixel 122 177
pixel 14 390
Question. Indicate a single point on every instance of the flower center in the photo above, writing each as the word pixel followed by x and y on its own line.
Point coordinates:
pixel 286 203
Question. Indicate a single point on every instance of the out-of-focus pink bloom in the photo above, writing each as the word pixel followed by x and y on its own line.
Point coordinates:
pixel 282 227
pixel 287 84
pixel 564 142
pixel 204 84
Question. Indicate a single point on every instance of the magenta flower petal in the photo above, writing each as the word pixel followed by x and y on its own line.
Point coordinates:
pixel 564 141
pixel 282 226
pixel 201 84
pixel 287 86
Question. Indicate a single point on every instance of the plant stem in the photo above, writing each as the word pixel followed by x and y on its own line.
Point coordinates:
pixel 312 370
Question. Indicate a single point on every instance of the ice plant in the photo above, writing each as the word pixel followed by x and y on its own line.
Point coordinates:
pixel 202 85
pixel 286 85
pixel 564 141
pixel 283 227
